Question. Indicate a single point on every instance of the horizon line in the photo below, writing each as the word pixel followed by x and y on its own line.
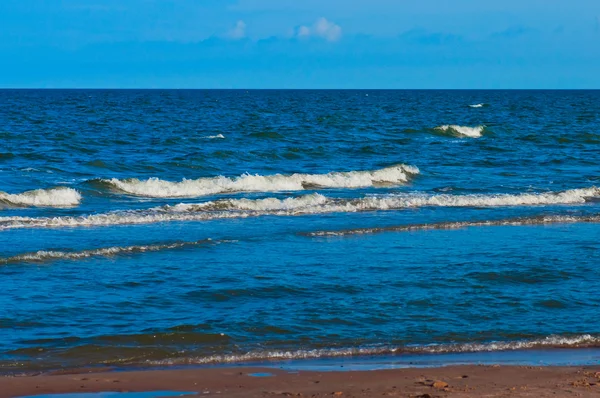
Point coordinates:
pixel 297 89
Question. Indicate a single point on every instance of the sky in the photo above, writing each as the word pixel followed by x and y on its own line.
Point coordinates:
pixel 394 44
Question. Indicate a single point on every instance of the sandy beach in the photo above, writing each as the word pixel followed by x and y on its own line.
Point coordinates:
pixel 456 381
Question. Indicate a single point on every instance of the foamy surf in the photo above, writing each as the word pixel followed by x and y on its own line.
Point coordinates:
pixel 302 205
pixel 317 203
pixel 53 197
pixel 46 256
pixel 477 106
pixel 157 188
pixel 554 341
pixel 462 131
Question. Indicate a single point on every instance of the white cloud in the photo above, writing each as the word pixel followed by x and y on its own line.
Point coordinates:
pixel 321 28
pixel 238 31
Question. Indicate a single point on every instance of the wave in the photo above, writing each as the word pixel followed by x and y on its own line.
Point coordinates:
pixel 157 188
pixel 463 131
pixel 302 205
pixel 212 137
pixel 535 220
pixel 477 105
pixel 53 197
pixel 317 203
pixel 554 341
pixel 45 256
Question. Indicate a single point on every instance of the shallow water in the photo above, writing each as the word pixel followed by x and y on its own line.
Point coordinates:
pixel 543 357
pixel 191 227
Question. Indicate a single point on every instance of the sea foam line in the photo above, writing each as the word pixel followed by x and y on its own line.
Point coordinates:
pixel 157 188
pixel 53 197
pixel 302 205
pixel 554 341
pixel 46 256
pixel 463 131
pixel 523 221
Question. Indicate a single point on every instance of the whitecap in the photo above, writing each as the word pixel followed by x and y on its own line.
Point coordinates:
pixel 212 137
pixel 464 131
pixel 158 188
pixel 53 197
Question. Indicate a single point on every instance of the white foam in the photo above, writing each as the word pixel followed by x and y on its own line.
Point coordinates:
pixel 573 196
pixel 43 256
pixel 158 188
pixel 473 132
pixel 212 137
pixel 306 204
pixel 317 203
pixel 54 197
pixel 554 341
pixel 477 106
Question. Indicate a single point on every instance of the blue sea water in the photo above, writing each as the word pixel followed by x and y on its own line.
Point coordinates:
pixel 170 227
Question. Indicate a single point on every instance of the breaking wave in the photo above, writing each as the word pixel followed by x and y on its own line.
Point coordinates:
pixel 45 256
pixel 477 105
pixel 580 341
pixel 53 197
pixel 317 203
pixel 302 205
pixel 462 131
pixel 157 188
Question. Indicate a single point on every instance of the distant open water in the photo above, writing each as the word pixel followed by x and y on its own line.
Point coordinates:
pixel 189 227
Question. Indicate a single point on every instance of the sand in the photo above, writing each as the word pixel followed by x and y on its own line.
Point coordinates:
pixel 455 381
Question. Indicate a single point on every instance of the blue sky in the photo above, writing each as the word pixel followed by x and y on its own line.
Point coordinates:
pixel 300 43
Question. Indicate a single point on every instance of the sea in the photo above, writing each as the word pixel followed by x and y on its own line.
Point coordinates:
pixel 143 228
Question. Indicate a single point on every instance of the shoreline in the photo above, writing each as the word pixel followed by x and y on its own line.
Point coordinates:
pixel 548 356
pixel 527 373
pixel 450 381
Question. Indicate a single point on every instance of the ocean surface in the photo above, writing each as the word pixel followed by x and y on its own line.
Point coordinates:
pixel 174 227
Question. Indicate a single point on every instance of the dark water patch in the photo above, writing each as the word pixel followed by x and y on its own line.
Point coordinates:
pixel 528 277
pixel 162 339
pixel 531 138
pixel 9 323
pixel 411 131
pixel 330 321
pixel 497 149
pixel 223 154
pixel 268 135
pixel 262 292
pixel 589 138
pixel 268 330
pixel 97 163
pixel 553 304
pixel 190 328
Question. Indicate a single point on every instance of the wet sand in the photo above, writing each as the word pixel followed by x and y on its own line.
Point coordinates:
pixel 454 381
